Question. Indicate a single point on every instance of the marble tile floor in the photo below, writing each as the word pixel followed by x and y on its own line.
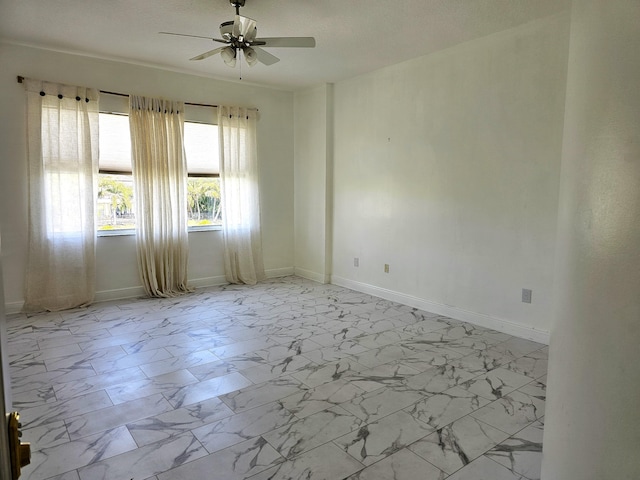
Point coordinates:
pixel 289 379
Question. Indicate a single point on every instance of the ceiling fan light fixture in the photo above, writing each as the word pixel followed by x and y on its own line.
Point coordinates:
pixel 229 56
pixel 251 56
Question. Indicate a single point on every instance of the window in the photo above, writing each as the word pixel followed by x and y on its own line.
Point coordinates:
pixel 116 206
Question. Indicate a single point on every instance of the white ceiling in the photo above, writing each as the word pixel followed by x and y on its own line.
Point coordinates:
pixel 353 36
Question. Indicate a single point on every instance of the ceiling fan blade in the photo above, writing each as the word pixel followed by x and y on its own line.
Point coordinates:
pixel 265 57
pixel 245 27
pixel 194 36
pixel 308 42
pixel 208 54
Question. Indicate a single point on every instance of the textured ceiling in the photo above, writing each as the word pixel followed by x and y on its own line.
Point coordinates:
pixel 353 36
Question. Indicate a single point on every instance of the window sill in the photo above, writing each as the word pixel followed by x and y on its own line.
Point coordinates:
pixel 129 232
pixel 115 233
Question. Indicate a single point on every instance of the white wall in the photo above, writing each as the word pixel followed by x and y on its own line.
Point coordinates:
pixel 313 150
pixel 116 261
pixel 447 168
pixel 592 414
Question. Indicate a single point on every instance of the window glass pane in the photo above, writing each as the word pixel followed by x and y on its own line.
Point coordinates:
pixel 203 201
pixel 115 143
pixel 201 148
pixel 116 209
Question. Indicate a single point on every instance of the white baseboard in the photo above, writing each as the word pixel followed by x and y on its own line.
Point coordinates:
pixel 310 275
pixel 279 272
pixel 138 291
pixel 118 294
pixel 480 319
pixel 13 307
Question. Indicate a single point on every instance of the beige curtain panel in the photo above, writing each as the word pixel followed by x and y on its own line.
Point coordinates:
pixel 160 185
pixel 240 195
pixel 62 134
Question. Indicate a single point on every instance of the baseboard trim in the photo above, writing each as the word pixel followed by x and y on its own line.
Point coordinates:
pixel 11 308
pixel 279 272
pixel 480 319
pixel 138 291
pixel 311 275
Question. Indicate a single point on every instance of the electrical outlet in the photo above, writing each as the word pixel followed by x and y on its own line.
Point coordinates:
pixel 526 295
pixel 386 268
pixel 356 262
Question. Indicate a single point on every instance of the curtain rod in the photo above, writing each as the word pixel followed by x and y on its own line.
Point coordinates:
pixel 21 80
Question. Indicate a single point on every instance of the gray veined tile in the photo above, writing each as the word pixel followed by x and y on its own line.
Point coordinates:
pixel 129 360
pixel 336 352
pixel 324 396
pixel 385 354
pixel 304 434
pixel 33 398
pixel 287 365
pixel 380 439
pixel 155 343
pixel 48 435
pixel 172 364
pixel 46 379
pixel 422 360
pixel 422 325
pixel 325 373
pixel 482 361
pixel 242 426
pixel 62 409
pixel 378 377
pixel 402 465
pixel 437 379
pixel 46 354
pixel 374 405
pixel 174 422
pixel 483 468
pixel 147 461
pixel 322 463
pixel 377 340
pixel 118 415
pixel 206 389
pixel 59 341
pixel 27 368
pixel 496 383
pixel 47 462
pixel 144 388
pixel 452 447
pixel 236 462
pixel 73 475
pixel 288 349
pixel 227 366
pixel 114 341
pixel 518 347
pixel 512 412
pixel 240 348
pixel 532 364
pixel 522 453
pixel 338 336
pixel 97 382
pixel 536 389
pixel 443 408
pixel 83 358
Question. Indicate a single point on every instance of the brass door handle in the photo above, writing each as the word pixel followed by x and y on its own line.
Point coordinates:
pixel 20 453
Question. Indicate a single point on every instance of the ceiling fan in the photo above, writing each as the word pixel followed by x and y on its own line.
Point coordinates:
pixel 239 35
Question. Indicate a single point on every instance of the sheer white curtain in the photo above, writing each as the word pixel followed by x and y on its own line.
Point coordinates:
pixel 240 196
pixel 160 186
pixel 62 133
